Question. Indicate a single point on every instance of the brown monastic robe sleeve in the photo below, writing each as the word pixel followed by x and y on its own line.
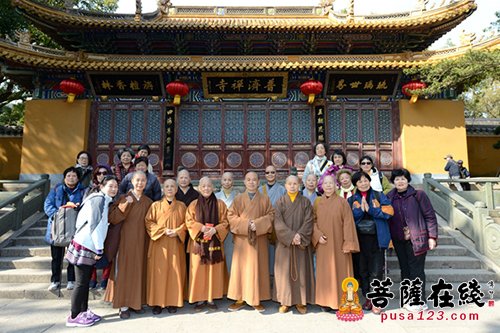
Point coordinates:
pixel 237 224
pixel 223 227
pixel 154 230
pixel 306 230
pixel 264 223
pixel 193 226
pixel 317 233
pixel 119 210
pixel 351 243
pixel 283 233
pixel 180 215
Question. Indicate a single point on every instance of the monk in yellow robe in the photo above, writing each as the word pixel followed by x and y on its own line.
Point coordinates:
pixel 250 220
pixel 166 269
pixel 206 222
pixel 335 239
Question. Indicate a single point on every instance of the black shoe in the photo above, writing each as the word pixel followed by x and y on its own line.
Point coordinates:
pixel 199 306
pixel 212 306
pixel 157 310
pixel 326 309
pixel 125 314
pixel 171 309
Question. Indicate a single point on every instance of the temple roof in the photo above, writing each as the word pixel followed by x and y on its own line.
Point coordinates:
pixel 16 55
pixel 246 30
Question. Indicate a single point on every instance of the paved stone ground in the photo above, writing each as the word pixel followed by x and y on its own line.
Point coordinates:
pixel 23 315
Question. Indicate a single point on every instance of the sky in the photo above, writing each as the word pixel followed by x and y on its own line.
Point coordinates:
pixel 480 19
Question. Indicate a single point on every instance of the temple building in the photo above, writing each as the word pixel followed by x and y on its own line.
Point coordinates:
pixel 217 89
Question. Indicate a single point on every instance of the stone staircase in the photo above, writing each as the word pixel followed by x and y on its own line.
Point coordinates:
pixel 25 266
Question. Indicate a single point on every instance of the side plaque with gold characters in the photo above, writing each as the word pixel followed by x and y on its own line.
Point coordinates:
pixel 350 308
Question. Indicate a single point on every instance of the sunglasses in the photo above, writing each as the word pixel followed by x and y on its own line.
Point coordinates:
pixel 270 172
pixel 366 163
pixel 102 173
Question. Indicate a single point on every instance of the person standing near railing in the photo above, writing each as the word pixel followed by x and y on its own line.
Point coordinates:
pixel 453 170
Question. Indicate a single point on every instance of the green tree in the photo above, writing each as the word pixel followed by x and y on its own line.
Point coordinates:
pixel 12 115
pixel 10 23
pixel 474 76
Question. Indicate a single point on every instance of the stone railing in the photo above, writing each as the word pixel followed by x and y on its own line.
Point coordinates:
pixel 19 200
pixel 469 211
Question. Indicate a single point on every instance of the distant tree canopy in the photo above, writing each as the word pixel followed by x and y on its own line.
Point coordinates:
pixel 475 76
pixel 10 23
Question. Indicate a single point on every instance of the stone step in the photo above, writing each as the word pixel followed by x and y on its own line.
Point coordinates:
pixel 35 231
pixel 444 240
pixel 448 250
pixel 25 251
pixel 445 262
pixel 452 275
pixel 27 275
pixel 42 223
pixel 26 262
pixel 30 241
pixel 39 291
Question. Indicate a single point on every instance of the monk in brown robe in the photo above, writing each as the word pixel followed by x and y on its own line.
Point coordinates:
pixel 166 273
pixel 250 220
pixel 127 282
pixel 206 222
pixel 293 265
pixel 335 239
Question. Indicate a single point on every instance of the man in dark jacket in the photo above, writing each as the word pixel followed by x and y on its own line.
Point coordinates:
pixel 453 170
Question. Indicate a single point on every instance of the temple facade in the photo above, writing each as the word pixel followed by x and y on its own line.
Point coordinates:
pixel 240 74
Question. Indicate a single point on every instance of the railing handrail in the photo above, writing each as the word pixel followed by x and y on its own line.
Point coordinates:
pixel 21 194
pixel 450 193
pixel 469 180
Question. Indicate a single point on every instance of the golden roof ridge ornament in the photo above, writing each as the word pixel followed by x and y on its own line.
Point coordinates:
pixel 138 11
pixel 164 6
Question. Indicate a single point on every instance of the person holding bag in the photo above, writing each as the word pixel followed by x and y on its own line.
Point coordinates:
pixel 87 247
pixel 414 230
pixel 70 191
pixel 371 210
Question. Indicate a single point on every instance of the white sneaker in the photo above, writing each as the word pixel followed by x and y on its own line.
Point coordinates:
pixel 54 286
pixel 70 285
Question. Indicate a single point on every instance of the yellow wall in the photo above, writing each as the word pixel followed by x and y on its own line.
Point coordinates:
pixel 10 156
pixel 484 160
pixel 54 132
pixel 429 131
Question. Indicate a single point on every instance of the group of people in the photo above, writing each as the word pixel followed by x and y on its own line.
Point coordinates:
pixel 270 242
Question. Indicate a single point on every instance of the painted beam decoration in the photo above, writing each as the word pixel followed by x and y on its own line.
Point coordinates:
pixel 245 85
pixel 362 84
pixel 130 84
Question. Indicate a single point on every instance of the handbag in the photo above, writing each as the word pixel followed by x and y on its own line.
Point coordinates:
pixel 102 263
pixel 366 227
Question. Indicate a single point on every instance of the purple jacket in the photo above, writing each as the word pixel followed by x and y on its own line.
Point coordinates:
pixel 413 209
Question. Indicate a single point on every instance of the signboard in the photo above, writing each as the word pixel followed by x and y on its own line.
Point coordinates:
pixel 362 84
pixel 130 84
pixel 245 85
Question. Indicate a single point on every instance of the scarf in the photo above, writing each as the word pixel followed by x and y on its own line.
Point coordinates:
pixel 207 212
pixel 346 193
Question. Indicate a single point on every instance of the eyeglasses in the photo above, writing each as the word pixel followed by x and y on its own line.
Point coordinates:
pixel 366 163
pixel 104 173
pixel 270 172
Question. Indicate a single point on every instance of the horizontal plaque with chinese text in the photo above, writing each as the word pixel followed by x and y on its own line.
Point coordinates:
pixel 245 85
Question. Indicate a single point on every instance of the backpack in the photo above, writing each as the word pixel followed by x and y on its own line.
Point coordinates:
pixel 63 226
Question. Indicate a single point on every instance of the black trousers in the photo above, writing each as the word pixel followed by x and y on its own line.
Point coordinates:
pixel 369 262
pixel 80 296
pixel 57 253
pixel 411 266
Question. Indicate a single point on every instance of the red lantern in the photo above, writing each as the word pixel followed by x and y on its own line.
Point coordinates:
pixel 71 87
pixel 177 89
pixel 311 88
pixel 413 85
